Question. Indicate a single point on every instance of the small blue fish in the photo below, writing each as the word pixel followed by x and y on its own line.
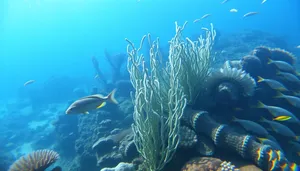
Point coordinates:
pixel 281 129
pixel 289 77
pixel 278 112
pixel 275 85
pixel 294 101
pixel 252 127
pixel 283 66
pixel 271 143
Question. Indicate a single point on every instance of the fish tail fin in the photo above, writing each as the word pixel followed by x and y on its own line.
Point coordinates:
pixel 233 118
pixel 278 95
pixel 111 97
pixel 238 109
pixel 260 105
pixel 262 119
pixel 270 61
pixel 261 139
pixel 260 79
pixel 278 72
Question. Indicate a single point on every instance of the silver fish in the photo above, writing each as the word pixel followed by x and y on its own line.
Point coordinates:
pixel 295 146
pixel 273 144
pixel 289 77
pixel 92 102
pixel 294 101
pixel 263 1
pixel 29 82
pixel 233 10
pixel 278 111
pixel 275 85
pixel 252 127
pixel 250 14
pixel 280 129
pixel 223 2
pixel 283 66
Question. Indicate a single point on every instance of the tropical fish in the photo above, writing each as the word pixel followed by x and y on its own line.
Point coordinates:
pixel 282 118
pixel 233 10
pixel 283 66
pixel 295 146
pixel 294 101
pixel 29 82
pixel 92 102
pixel 273 144
pixel 223 2
pixel 204 16
pixel 289 77
pixel 280 129
pixel 250 14
pixel 279 112
pixel 276 85
pixel 252 127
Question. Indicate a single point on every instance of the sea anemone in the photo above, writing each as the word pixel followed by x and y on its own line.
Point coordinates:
pixel 252 65
pixel 282 55
pixel 263 53
pixel 38 160
pixel 233 64
pixel 230 82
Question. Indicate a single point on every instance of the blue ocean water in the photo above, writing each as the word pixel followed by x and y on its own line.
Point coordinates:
pixel 41 38
pixel 53 42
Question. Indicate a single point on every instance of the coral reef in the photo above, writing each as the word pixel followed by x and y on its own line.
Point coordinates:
pixel 66 132
pixel 121 167
pixel 159 104
pixel 234 46
pixel 38 160
pixel 245 145
pixel 202 164
pixel 116 62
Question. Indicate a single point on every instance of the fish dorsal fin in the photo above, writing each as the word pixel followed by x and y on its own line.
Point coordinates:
pixel 101 105
pixel 96 96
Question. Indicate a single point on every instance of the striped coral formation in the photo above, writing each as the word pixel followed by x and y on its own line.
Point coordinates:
pixel 245 145
pixel 38 160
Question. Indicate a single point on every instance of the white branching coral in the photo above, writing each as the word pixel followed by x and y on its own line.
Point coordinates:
pixel 162 92
pixel 158 106
pixel 196 59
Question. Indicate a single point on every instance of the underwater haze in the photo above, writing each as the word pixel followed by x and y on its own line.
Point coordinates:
pixel 65 85
pixel 42 38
